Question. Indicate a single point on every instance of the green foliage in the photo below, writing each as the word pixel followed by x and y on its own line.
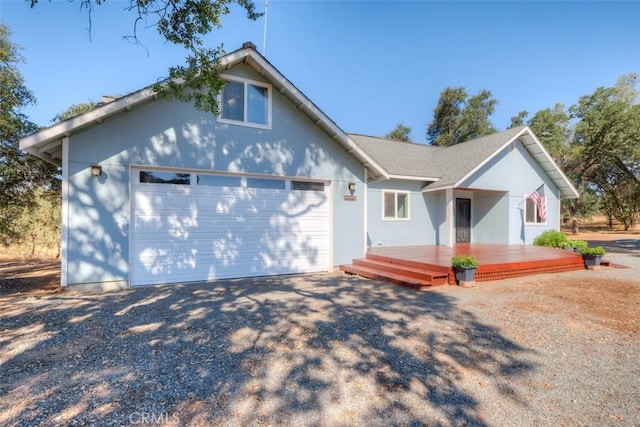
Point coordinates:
pixel 185 23
pixel 23 178
pixel 578 245
pixel 551 126
pixel 519 119
pixel 37 228
pixel 74 110
pixel 597 251
pixel 596 142
pixel 459 117
pixel 551 239
pixel 399 133
pixel 464 261
pixel 607 140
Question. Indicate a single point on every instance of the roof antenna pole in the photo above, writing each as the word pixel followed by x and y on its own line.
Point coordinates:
pixel 266 21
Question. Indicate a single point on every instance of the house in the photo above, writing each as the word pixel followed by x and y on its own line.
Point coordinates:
pixel 503 188
pixel 155 191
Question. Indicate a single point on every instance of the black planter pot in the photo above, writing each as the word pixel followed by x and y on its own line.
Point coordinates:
pixel 592 260
pixel 465 274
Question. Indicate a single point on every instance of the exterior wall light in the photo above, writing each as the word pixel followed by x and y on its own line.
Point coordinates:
pixel 96 169
pixel 352 187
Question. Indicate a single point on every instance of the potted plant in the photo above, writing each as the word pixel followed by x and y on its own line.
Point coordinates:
pixel 592 256
pixel 464 266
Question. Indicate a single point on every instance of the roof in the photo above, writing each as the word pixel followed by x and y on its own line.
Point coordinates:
pixel 445 167
pixel 47 143
pixel 465 157
pixel 450 166
pixel 401 159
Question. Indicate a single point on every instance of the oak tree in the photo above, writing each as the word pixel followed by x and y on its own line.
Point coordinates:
pixel 23 178
pixel 185 23
pixel 459 117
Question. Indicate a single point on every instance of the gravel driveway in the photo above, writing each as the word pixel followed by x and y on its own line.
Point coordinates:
pixel 329 349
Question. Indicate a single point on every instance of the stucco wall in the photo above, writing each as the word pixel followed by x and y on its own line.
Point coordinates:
pixel 173 134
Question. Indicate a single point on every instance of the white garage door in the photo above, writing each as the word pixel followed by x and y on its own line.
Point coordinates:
pixel 195 226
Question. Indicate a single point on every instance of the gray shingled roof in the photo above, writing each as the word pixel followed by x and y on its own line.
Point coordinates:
pixel 457 161
pixel 400 158
pixel 448 164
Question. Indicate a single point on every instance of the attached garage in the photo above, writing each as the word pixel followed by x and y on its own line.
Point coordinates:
pixel 193 225
pixel 155 191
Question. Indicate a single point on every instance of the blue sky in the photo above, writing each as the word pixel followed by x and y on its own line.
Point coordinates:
pixel 368 65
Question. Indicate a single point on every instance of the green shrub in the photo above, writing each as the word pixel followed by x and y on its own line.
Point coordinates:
pixel 552 239
pixel 597 251
pixel 464 261
pixel 578 245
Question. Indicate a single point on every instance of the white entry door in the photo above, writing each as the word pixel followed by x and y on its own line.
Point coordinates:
pixel 196 226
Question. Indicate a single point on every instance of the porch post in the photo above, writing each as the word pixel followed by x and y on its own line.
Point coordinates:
pixel 64 241
pixel 450 217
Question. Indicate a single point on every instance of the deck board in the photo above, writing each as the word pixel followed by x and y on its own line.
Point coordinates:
pixel 495 261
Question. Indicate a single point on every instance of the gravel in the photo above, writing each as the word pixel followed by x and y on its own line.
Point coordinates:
pixel 329 349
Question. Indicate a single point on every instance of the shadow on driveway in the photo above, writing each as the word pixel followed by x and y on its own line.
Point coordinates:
pixel 315 349
pixel 621 246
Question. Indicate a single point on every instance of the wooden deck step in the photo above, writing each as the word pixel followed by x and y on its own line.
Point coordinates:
pixel 434 277
pixel 385 276
pixel 408 262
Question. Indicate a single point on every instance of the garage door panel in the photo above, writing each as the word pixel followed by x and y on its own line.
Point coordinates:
pixel 206 232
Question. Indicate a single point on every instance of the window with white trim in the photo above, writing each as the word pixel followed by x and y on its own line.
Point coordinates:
pixel 395 205
pixel 246 102
pixel 531 213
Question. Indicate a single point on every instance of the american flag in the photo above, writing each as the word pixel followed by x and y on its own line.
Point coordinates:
pixel 540 201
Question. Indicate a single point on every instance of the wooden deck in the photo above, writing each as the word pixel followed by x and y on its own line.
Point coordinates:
pixel 422 266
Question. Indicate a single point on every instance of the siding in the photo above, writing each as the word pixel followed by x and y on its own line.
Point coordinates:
pixel 491 217
pixel 423 225
pixel 517 173
pixel 173 134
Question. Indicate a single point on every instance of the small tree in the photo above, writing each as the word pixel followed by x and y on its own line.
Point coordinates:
pixel 400 133
pixel 459 117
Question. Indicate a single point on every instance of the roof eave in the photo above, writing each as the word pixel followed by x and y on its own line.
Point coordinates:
pixel 56 132
pixel 414 178
pixel 306 106
pixel 429 189
pixel 52 137
pixel 567 190
pixel 526 135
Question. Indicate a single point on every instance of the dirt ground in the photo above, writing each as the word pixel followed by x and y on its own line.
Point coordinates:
pixel 620 309
pixel 29 277
pixel 325 349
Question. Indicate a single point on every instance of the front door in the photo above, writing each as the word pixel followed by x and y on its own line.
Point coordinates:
pixel 463 220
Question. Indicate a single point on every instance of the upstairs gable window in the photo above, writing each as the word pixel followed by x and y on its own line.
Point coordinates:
pixel 246 102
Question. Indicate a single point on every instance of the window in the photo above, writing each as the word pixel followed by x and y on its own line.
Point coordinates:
pixel 396 205
pixel 155 177
pixel 246 102
pixel 274 184
pixel 532 213
pixel 218 181
pixel 307 186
